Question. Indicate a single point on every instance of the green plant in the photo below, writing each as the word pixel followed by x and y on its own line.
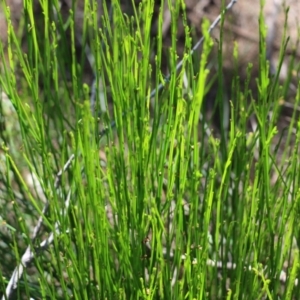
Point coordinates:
pixel 151 203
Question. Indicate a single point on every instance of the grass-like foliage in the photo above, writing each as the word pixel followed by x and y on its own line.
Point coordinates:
pixel 153 200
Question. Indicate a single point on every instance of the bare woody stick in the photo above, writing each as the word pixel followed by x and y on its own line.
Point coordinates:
pixel 28 256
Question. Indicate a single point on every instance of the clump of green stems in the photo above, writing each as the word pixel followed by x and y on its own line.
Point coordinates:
pixel 159 205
